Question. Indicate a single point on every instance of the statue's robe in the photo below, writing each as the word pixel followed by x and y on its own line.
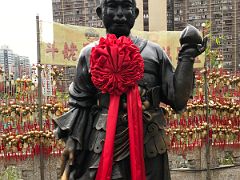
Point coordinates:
pixel 86 121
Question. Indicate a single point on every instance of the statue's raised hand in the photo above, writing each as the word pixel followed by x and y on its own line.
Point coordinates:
pixel 192 44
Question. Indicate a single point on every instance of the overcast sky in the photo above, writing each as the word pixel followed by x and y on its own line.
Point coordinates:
pixel 18 24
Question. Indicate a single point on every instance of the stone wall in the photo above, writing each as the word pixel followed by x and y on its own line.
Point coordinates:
pixel 223 173
pixel 224 164
pixel 30 168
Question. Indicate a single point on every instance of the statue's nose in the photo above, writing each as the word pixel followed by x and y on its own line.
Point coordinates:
pixel 119 11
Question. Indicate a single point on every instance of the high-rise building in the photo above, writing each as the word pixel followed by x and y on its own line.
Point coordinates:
pixel 224 17
pixel 170 15
pixel 76 12
pixel 22 66
pixel 9 55
pixel 14 64
pixel 7 58
pixel 152 13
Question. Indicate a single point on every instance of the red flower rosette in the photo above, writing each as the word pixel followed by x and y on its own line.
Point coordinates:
pixel 116 66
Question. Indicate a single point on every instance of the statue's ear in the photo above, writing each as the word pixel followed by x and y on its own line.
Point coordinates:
pixel 99 12
pixel 136 12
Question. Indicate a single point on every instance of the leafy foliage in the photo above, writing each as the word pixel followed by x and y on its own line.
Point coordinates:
pixel 213 51
pixel 10 173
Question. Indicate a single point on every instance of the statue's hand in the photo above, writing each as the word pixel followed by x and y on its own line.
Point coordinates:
pixel 193 50
pixel 68 156
pixel 192 44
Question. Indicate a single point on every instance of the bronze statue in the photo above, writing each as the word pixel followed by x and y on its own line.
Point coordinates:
pixel 83 128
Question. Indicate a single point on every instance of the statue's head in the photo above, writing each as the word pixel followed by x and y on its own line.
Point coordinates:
pixel 118 16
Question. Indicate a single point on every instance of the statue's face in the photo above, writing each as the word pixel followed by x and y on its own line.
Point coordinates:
pixel 118 16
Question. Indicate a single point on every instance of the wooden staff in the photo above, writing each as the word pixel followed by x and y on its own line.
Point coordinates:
pixel 40 96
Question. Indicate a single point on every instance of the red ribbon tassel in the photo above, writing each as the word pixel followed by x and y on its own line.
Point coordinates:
pixel 134 108
pixel 105 165
pixel 116 65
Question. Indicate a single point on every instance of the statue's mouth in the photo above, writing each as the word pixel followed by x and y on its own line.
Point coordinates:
pixel 120 24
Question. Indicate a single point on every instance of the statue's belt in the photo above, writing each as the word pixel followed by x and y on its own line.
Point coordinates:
pixel 150 99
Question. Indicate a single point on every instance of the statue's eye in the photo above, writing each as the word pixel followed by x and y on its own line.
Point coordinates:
pixel 112 5
pixel 127 5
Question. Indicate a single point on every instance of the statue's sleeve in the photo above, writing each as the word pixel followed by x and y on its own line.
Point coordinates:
pixel 76 123
pixel 166 74
pixel 176 88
